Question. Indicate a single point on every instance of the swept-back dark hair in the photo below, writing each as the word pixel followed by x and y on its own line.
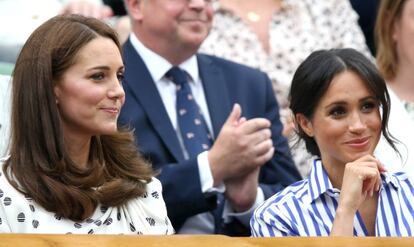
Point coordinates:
pixel 39 165
pixel 315 74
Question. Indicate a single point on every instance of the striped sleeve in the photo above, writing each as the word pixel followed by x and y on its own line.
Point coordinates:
pixel 269 221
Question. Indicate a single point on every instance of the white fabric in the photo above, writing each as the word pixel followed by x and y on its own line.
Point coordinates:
pixel 5 104
pixel 143 215
pixel 401 126
pixel 19 18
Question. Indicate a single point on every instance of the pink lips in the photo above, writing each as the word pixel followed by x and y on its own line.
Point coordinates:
pixel 358 142
pixel 111 110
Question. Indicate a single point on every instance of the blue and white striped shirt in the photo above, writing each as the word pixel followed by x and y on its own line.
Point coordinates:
pixel 307 208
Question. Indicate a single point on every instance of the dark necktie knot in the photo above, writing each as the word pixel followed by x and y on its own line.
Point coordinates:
pixel 177 75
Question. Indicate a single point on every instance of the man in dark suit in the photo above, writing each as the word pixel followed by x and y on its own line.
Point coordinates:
pixel 248 160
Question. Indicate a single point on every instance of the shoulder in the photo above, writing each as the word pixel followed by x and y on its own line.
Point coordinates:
pixel 275 216
pixel 150 210
pixel 227 65
pixel 283 199
pixel 154 185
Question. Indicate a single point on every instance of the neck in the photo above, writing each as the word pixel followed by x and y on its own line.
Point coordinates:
pixel 78 149
pixel 403 83
pixel 335 172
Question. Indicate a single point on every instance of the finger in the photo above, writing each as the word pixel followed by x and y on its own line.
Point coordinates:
pixel 372 178
pixel 95 11
pixel 263 147
pixel 233 118
pixel 259 136
pixel 242 120
pixel 107 12
pixel 381 167
pixel 261 160
pixel 367 157
pixel 254 125
pixel 84 9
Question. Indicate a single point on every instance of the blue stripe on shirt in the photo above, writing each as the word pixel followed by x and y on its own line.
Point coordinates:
pixel 308 207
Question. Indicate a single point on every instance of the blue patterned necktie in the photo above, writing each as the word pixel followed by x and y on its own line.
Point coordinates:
pixel 192 125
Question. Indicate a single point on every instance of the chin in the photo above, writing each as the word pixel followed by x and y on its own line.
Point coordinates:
pixel 109 130
pixel 359 155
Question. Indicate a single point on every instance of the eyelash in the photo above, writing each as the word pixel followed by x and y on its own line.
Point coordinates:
pixel 120 77
pixel 101 76
pixel 96 75
pixel 339 111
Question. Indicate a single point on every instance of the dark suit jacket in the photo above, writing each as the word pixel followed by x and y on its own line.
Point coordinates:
pixel 225 83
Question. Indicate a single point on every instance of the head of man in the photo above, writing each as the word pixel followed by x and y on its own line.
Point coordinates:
pixel 173 29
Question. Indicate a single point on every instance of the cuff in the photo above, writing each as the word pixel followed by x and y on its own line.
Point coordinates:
pixel 206 177
pixel 243 217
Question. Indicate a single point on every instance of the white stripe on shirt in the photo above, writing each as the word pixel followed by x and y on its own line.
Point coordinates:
pixel 307 208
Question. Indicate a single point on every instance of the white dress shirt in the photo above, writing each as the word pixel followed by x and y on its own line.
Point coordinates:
pixel 158 66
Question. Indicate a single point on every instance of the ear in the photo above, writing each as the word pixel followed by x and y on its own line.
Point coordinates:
pixel 56 91
pixel 396 29
pixel 135 9
pixel 305 124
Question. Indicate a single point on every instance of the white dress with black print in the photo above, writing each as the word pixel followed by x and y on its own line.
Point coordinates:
pixel 144 215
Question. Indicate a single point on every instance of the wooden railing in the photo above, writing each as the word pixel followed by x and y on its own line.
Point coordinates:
pixel 28 240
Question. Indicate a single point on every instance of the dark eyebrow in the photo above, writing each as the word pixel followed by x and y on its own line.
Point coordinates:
pixel 105 68
pixel 336 103
pixel 339 103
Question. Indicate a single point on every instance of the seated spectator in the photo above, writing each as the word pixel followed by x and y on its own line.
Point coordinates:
pixel 337 97
pixel 395 59
pixel 70 170
pixel 276 36
pixel 19 18
pixel 210 125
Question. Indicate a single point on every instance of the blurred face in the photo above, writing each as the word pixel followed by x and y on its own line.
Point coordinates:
pixel 89 95
pixel 175 24
pixel 403 34
pixel 346 123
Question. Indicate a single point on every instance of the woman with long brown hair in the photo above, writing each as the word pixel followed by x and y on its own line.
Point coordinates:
pixel 394 33
pixel 70 169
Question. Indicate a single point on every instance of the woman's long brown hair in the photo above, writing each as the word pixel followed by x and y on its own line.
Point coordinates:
pixel 39 165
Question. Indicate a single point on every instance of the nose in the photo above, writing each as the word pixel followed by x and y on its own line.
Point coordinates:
pixel 357 123
pixel 199 4
pixel 116 91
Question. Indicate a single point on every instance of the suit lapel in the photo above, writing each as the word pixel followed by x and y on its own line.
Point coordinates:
pixel 215 91
pixel 138 78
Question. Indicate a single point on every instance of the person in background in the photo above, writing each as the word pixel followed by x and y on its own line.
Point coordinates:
pixel 19 18
pixel 367 11
pixel 209 125
pixel 341 106
pixel 395 58
pixel 69 169
pixel 276 36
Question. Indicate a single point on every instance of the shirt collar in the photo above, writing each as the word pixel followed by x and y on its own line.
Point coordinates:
pixel 319 183
pixel 158 66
